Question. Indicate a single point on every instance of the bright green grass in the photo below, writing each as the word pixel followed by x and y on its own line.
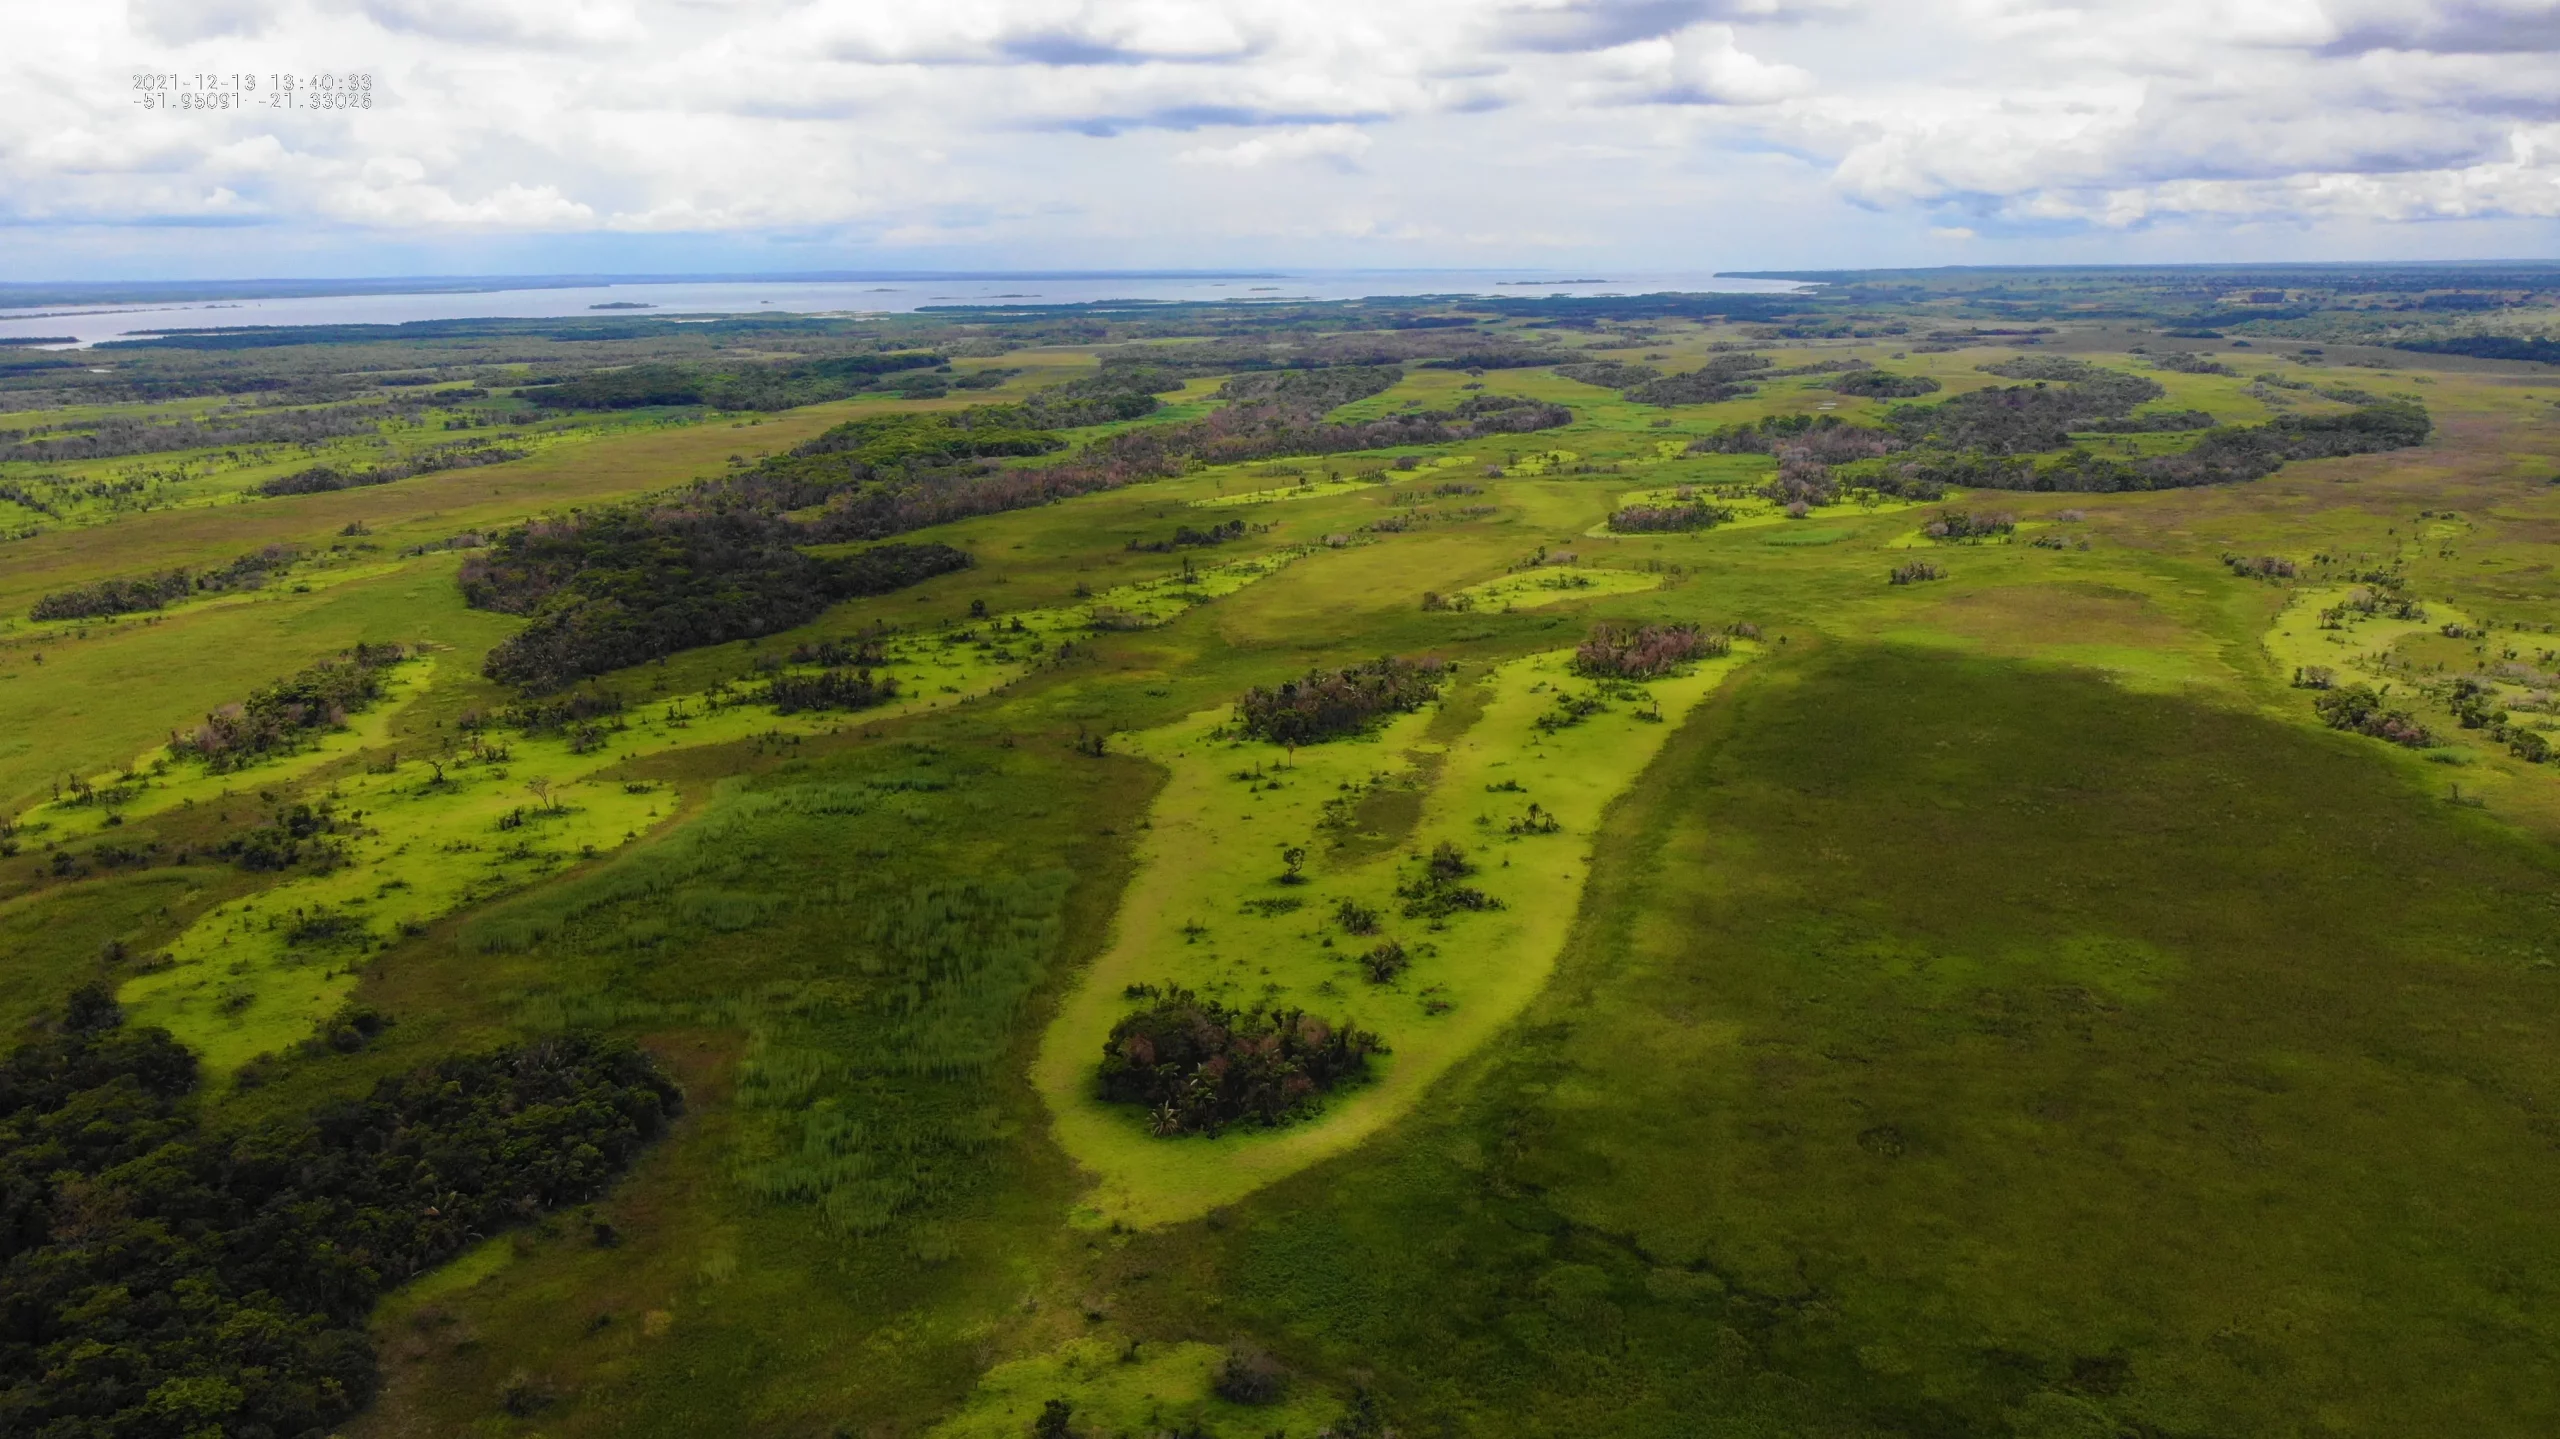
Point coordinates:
pixel 1153 1389
pixel 1533 589
pixel 1958 1047
pixel 1750 511
pixel 238 984
pixel 1213 846
pixel 160 780
pixel 1316 486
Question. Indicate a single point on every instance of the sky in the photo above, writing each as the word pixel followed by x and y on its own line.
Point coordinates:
pixel 620 136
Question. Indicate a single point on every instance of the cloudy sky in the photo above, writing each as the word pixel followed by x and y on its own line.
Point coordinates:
pixel 554 135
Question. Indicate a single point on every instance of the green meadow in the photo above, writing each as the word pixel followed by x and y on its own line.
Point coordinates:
pixel 2008 1001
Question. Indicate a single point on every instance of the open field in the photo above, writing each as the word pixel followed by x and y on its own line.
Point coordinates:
pixel 2081 963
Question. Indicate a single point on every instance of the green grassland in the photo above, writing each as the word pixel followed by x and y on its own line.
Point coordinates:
pixel 1994 1005
pixel 1213 910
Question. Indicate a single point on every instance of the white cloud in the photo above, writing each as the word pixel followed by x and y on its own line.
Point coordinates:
pixel 1306 142
pixel 1419 129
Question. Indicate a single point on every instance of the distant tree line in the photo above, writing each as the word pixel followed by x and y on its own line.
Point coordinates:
pixel 162 1278
pixel 745 387
pixel 2538 349
pixel 454 455
pixel 118 437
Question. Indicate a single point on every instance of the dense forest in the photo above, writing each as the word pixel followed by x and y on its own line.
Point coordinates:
pixel 627 584
pixel 158 1278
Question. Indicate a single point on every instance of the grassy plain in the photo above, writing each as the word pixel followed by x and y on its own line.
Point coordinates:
pixel 1996 1007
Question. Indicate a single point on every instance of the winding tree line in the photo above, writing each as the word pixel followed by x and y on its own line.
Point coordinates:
pixel 453 455
pixel 151 592
pixel 161 1278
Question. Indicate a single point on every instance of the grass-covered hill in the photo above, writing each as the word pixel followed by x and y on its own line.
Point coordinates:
pixel 1949 854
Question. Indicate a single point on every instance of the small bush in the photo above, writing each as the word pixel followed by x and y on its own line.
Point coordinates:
pixel 2263 567
pixel 1916 572
pixel 1437 893
pixel 1385 961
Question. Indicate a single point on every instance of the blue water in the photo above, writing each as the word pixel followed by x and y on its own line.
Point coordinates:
pixel 90 324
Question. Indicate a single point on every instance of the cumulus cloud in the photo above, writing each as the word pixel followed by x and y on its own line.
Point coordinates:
pixel 1612 126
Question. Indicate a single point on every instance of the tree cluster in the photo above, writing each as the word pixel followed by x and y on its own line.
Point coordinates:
pixel 1643 652
pixel 1682 517
pixel 1962 526
pixel 1198 1066
pixel 1439 890
pixel 286 715
pixel 1319 390
pixel 1881 385
pixel 157 1278
pixel 2360 709
pixel 833 689
pixel 1185 537
pixel 2022 419
pixel 1334 704
pixel 1723 378
pixel 622 585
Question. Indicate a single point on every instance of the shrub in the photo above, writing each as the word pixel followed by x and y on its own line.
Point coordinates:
pixel 1436 893
pixel 1250 1376
pixel 1199 1066
pixel 1385 961
pixel 1916 572
pixel 2263 567
pixel 1329 705
pixel 1642 652
pixel 2528 746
